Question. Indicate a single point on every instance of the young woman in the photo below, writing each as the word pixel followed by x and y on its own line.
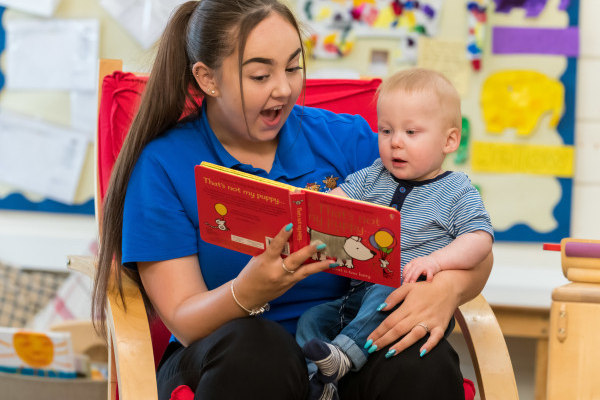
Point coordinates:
pixel 245 57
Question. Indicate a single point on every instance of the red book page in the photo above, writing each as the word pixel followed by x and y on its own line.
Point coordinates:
pixel 239 213
pixel 363 238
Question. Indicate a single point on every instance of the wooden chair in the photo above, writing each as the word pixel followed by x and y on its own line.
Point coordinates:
pixel 574 344
pixel 131 344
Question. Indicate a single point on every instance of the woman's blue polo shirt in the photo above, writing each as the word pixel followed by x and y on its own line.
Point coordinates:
pixel 160 217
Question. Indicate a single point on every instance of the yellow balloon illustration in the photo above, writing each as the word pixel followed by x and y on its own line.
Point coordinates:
pixel 384 239
pixel 221 209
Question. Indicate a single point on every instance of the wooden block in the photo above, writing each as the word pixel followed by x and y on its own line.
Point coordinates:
pixel 573 351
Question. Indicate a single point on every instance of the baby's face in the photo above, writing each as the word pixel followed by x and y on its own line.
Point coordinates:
pixel 413 134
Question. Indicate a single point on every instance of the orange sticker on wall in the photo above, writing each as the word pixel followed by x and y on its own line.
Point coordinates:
pixel 518 98
pixel 519 158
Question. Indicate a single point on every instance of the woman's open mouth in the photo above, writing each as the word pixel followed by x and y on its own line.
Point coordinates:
pixel 271 116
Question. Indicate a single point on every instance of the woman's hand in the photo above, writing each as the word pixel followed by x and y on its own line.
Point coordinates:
pixel 191 311
pixel 427 308
pixel 268 275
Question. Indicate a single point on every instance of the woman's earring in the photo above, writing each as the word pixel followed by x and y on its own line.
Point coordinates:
pixel 212 92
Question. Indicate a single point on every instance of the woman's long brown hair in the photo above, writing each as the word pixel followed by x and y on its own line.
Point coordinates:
pixel 206 31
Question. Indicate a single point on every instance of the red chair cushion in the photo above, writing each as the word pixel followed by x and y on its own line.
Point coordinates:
pixel 121 94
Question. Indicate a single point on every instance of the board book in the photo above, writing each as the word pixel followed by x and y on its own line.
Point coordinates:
pixel 243 212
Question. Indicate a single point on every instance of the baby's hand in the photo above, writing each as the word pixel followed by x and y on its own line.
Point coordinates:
pixel 427 265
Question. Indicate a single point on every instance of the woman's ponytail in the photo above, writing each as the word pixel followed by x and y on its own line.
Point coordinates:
pixel 162 104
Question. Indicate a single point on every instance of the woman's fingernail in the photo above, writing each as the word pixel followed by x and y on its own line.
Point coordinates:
pixel 333 265
pixel 372 349
pixel 321 246
pixel 369 343
pixel 423 352
pixel 381 306
pixel 288 227
pixel 390 353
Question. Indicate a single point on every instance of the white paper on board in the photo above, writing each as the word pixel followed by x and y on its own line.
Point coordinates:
pixel 44 8
pixel 39 157
pixel 84 111
pixel 51 54
pixel 145 20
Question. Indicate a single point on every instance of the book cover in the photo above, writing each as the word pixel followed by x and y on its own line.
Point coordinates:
pixel 243 212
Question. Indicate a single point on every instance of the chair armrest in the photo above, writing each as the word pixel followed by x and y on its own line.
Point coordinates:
pixel 130 345
pixel 83 264
pixel 495 375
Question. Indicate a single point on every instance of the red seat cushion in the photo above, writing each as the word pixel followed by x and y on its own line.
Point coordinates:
pixel 121 94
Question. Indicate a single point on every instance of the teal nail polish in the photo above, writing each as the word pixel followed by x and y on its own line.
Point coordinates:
pixel 381 306
pixel 372 349
pixel 369 343
pixel 390 353
pixel 321 246
pixel 288 227
pixel 423 352
pixel 333 265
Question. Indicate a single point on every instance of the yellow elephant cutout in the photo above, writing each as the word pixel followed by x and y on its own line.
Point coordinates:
pixel 518 98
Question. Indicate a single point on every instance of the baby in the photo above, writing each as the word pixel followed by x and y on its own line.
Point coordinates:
pixel 444 222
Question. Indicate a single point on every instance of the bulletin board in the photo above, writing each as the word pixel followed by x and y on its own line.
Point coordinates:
pixel 524 174
pixel 514 64
pixel 115 39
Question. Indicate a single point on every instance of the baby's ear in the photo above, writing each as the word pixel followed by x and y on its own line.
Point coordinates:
pixel 452 140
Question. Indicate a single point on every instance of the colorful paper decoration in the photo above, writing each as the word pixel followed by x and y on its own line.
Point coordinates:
pixel 447 57
pixel 518 98
pixel 476 23
pixel 337 24
pixel 519 158
pixel 553 41
pixel 533 7
pixel 462 154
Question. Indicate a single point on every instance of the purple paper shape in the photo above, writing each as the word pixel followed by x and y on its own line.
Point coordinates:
pixel 563 4
pixel 550 41
pixel 533 7
pixel 581 249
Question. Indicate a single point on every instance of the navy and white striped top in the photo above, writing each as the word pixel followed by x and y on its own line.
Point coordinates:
pixel 433 212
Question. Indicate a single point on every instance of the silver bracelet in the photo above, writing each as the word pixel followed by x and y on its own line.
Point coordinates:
pixel 254 312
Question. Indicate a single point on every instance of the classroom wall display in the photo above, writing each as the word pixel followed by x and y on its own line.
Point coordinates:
pixel 73 109
pixel 336 25
pixel 27 198
pixel 514 64
pixel 501 54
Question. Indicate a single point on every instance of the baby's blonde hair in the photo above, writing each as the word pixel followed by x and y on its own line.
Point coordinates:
pixel 420 79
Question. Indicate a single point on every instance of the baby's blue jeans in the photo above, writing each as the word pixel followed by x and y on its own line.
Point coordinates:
pixel 345 322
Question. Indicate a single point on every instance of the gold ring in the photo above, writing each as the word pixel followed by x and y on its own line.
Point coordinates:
pixel 289 271
pixel 424 326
